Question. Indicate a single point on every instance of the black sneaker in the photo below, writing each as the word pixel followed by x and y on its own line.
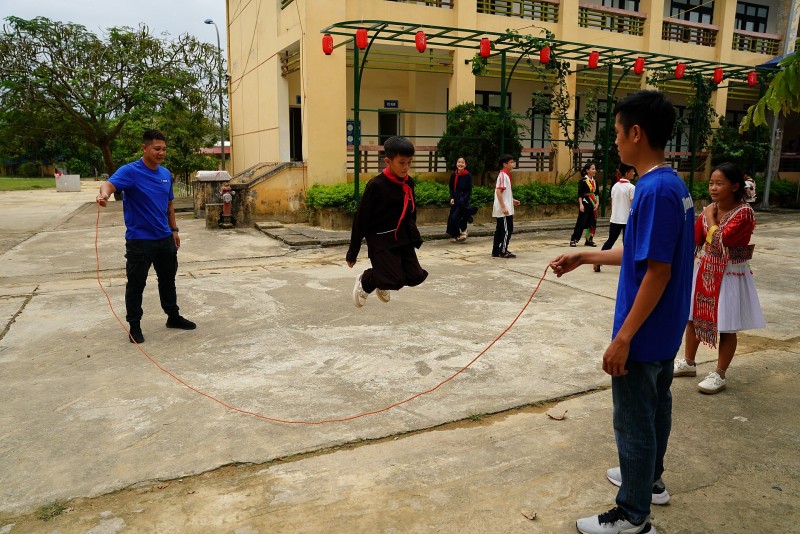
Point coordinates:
pixel 136 335
pixel 612 522
pixel 589 243
pixel 177 321
pixel 573 243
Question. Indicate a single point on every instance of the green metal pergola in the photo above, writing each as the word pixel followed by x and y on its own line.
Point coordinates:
pixel 503 45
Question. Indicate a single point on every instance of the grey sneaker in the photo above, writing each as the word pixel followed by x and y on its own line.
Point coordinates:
pixel 383 295
pixel 682 368
pixel 711 384
pixel 612 522
pixel 359 295
pixel 660 493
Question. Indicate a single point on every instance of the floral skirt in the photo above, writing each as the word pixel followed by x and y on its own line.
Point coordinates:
pixel 739 307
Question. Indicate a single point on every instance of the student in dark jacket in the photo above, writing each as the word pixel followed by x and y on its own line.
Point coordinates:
pixel 461 213
pixel 387 218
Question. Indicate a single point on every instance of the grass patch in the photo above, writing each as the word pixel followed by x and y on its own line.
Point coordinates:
pixel 49 511
pixel 26 184
pixel 475 417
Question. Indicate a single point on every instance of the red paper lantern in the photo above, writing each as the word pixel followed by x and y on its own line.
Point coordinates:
pixel 718 75
pixel 638 65
pixel 752 78
pixel 362 38
pixel 594 57
pixel 421 41
pixel 544 55
pixel 327 44
pixel 680 70
pixel 486 47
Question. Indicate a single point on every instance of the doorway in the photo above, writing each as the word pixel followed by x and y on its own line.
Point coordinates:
pixel 295 134
pixel 388 125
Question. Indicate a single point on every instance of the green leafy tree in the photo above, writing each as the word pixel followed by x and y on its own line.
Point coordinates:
pixel 782 95
pixel 94 85
pixel 474 134
pixel 749 150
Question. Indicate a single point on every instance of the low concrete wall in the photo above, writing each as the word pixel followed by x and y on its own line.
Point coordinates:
pixel 339 219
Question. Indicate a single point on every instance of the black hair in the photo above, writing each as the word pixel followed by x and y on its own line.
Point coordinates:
pixel 624 168
pixel 734 175
pixel 652 111
pixel 398 146
pixel 504 158
pixel 586 167
pixel 151 135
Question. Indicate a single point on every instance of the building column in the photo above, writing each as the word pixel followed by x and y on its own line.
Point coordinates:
pixel 653 28
pixel 462 82
pixel 564 156
pixel 324 94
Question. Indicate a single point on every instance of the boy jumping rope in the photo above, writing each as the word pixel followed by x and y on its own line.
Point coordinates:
pixel 387 218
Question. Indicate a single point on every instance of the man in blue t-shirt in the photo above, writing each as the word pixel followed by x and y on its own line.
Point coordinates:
pixel 651 309
pixel 151 235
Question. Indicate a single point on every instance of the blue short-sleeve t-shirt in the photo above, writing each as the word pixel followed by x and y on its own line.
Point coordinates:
pixel 146 196
pixel 660 228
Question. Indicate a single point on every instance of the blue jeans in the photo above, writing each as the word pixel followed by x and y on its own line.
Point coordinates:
pixel 642 422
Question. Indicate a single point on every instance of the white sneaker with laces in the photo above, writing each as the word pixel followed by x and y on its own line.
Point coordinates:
pixel 711 384
pixel 682 368
pixel 660 494
pixel 359 295
pixel 383 295
pixel 612 522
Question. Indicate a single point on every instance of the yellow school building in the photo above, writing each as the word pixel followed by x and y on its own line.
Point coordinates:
pixel 292 104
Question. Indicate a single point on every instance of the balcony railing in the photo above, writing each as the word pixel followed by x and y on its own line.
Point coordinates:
pixel 541 10
pixel 611 19
pixel 448 4
pixel 760 43
pixel 683 31
pixel 427 159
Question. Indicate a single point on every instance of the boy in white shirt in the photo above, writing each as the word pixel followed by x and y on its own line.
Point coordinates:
pixel 621 199
pixel 503 208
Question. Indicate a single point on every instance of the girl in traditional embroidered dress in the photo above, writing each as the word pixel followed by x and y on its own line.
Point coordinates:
pixel 724 298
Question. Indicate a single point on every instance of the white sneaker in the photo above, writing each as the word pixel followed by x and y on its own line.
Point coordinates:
pixel 612 522
pixel 660 494
pixel 711 384
pixel 682 368
pixel 383 295
pixel 359 295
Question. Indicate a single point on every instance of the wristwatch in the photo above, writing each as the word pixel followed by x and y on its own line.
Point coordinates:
pixel 174 229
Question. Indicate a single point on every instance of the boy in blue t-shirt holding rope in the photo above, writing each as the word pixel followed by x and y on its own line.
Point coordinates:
pixel 651 309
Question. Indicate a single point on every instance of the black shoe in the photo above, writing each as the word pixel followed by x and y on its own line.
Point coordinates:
pixel 509 254
pixel 136 335
pixel 176 321
pixel 573 243
pixel 589 243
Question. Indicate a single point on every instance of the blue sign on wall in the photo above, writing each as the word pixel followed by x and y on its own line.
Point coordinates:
pixel 392 104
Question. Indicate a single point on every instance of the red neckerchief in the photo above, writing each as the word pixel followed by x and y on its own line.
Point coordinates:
pixel 407 195
pixel 458 173
pixel 622 181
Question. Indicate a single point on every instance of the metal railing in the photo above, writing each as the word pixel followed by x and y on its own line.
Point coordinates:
pixel 448 4
pixel 760 43
pixel 541 10
pixel 689 32
pixel 611 19
pixel 428 159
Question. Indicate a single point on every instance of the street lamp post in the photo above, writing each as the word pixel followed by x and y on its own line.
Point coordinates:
pixel 221 117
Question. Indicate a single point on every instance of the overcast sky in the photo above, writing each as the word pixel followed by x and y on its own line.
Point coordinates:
pixel 173 16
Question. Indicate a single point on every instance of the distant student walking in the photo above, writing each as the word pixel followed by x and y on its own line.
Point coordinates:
pixel 724 298
pixel 621 199
pixel 387 218
pixel 461 212
pixel 587 206
pixel 503 208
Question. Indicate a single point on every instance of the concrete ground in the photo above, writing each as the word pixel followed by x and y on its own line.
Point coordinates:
pixel 89 420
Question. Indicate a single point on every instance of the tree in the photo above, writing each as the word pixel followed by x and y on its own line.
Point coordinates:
pixel 782 94
pixel 97 85
pixel 748 150
pixel 474 133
